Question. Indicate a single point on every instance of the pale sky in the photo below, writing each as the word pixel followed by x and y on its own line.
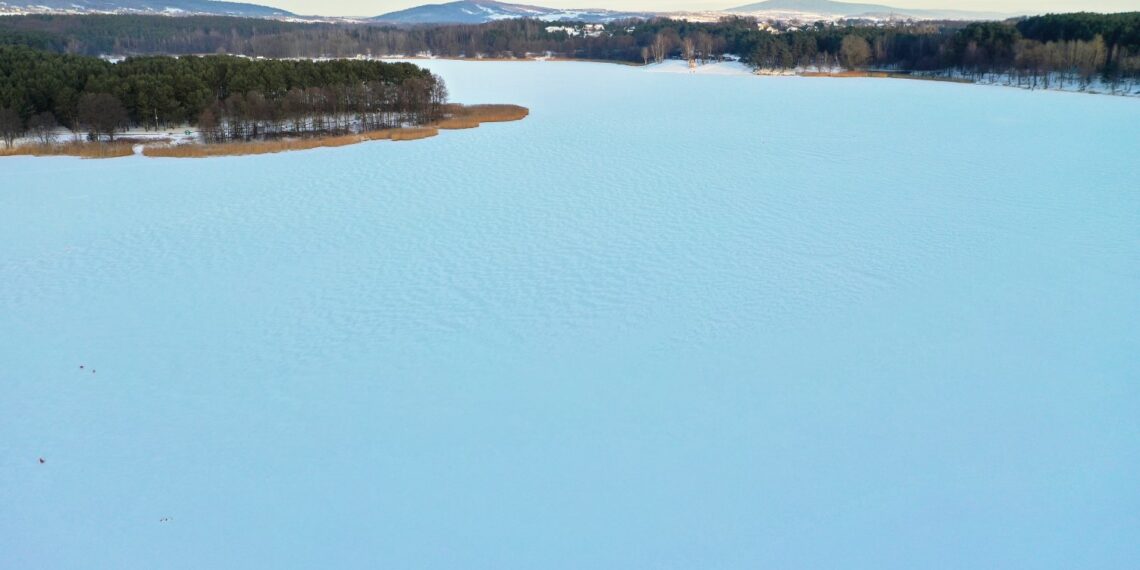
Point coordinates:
pixel 377 7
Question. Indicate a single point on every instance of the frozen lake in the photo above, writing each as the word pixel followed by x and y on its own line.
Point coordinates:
pixel 667 321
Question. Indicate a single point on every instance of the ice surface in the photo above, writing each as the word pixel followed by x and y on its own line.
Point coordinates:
pixel 667 321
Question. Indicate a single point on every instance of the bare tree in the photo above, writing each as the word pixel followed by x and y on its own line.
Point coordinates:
pixel 660 47
pixel 703 43
pixel 43 127
pixel 101 114
pixel 855 52
pixel 208 126
pixel 11 126
pixel 438 95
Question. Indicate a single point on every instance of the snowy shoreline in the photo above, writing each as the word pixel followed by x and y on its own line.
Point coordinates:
pixel 737 68
pixel 165 143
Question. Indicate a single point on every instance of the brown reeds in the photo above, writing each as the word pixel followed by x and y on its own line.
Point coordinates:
pixel 74 148
pixel 415 133
pixel 471 116
pixel 454 123
pixel 262 147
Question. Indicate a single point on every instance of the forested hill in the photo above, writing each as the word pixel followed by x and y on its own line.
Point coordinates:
pixel 1044 42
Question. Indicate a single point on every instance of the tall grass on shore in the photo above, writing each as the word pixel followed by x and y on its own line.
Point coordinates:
pixel 471 116
pixel 259 147
pixel 74 148
pixel 413 133
pixel 283 145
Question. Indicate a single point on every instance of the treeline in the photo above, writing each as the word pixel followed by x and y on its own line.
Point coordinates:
pixel 922 45
pixel 237 97
pixel 1084 43
pixel 142 35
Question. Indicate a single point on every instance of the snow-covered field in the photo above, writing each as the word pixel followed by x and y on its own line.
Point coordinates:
pixel 181 134
pixel 664 322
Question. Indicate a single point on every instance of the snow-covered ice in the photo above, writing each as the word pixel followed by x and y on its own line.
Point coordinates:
pixel 714 322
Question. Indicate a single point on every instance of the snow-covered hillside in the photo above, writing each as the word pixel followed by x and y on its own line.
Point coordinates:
pixel 167 7
pixel 481 11
pixel 811 10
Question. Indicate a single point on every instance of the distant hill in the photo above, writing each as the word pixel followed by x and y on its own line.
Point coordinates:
pixel 171 7
pixel 482 11
pixel 828 9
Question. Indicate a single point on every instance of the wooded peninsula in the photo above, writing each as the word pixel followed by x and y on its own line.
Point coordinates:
pixel 229 99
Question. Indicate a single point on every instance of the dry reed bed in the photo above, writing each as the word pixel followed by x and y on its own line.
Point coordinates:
pixel 414 133
pixel 261 147
pixel 471 116
pixel 488 113
pixel 80 149
pixel 283 145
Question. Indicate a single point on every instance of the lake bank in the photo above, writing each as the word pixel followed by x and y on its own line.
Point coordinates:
pixel 880 75
pixel 459 117
pixel 736 67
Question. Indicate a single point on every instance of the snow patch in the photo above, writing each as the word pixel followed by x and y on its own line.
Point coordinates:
pixel 713 68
